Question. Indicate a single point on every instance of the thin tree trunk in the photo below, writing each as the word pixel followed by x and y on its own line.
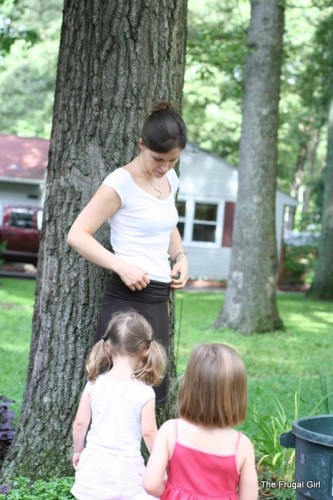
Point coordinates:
pixel 116 58
pixel 298 179
pixel 311 172
pixel 250 301
pixel 322 286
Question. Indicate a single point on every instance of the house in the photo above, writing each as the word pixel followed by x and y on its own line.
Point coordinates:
pixel 206 199
pixel 23 163
pixel 206 204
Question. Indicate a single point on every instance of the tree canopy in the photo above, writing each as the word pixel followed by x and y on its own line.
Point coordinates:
pixel 214 83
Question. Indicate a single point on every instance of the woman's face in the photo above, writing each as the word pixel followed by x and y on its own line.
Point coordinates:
pixel 158 164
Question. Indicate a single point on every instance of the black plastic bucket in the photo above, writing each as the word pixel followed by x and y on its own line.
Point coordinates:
pixel 312 438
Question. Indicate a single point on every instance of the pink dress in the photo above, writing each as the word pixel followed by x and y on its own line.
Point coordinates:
pixel 198 475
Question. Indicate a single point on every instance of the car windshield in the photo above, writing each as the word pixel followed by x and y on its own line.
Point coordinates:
pixel 21 218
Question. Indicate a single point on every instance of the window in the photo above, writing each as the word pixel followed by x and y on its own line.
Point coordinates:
pixel 198 221
pixel 181 207
pixel 204 224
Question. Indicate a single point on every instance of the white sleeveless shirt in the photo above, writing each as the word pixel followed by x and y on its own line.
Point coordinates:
pixel 116 407
pixel 141 228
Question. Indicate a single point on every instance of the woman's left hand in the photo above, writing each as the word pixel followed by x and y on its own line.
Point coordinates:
pixel 179 273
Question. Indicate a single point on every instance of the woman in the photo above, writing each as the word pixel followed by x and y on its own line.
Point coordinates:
pixel 139 202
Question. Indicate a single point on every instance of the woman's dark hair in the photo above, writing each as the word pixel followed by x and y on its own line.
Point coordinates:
pixel 164 129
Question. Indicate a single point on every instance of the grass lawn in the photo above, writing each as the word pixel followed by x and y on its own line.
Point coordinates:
pixel 283 367
pixel 16 308
pixel 276 362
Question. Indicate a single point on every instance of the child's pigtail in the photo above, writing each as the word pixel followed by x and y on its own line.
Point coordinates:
pixel 154 364
pixel 99 360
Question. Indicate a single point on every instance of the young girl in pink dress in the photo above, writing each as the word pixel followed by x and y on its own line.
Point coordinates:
pixel 200 456
pixel 119 402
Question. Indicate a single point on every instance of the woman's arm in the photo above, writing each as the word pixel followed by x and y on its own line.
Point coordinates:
pixel 179 273
pixel 155 475
pixel 148 424
pixel 80 427
pixel 104 204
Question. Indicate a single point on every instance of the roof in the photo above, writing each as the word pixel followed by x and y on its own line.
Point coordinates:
pixel 26 158
pixel 211 163
pixel 23 157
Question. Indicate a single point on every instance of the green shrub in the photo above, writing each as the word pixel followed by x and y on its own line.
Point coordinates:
pixel 326 404
pixel 269 420
pixel 298 264
pixel 54 489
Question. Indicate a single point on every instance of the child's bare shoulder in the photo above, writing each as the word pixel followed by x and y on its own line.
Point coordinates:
pixel 245 444
pixel 168 427
pixel 245 438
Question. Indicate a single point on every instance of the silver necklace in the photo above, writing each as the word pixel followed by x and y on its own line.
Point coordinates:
pixel 157 190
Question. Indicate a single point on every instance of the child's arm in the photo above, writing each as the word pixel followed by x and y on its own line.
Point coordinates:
pixel 154 478
pixel 80 427
pixel 248 481
pixel 148 424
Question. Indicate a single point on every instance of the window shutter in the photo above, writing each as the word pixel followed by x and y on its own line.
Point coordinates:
pixel 228 223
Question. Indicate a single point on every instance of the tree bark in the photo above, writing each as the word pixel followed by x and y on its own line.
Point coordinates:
pixel 250 301
pixel 322 286
pixel 116 58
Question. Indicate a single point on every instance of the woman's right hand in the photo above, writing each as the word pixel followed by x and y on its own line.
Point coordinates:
pixel 134 277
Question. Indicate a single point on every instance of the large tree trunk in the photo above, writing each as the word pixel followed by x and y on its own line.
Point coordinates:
pixel 116 58
pixel 250 302
pixel 322 286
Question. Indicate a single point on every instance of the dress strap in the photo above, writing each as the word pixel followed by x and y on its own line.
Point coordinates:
pixel 176 439
pixel 176 428
pixel 238 439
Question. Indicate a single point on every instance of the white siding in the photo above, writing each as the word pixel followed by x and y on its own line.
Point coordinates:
pixel 206 177
pixel 210 263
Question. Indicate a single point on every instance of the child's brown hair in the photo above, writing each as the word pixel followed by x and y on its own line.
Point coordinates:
pixel 213 392
pixel 129 333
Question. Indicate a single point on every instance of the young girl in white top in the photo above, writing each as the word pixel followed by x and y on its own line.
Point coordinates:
pixel 119 402
pixel 201 455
